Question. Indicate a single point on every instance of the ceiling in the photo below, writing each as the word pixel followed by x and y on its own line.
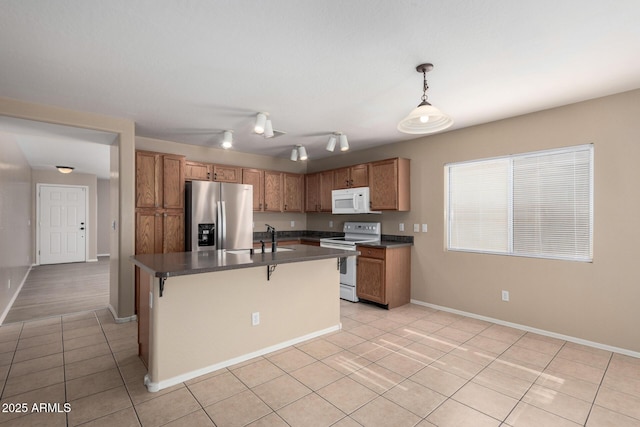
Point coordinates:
pixel 186 71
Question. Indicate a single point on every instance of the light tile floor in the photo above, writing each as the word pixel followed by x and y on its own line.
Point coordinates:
pixel 404 367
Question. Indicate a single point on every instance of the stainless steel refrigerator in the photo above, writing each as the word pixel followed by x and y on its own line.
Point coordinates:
pixel 218 215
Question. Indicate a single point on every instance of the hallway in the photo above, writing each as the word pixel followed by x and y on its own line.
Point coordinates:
pixel 58 289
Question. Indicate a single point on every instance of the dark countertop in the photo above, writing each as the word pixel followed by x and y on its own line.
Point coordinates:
pixel 184 263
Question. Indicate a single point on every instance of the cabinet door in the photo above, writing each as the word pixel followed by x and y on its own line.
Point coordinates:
pixel 255 177
pixel 359 176
pixel 173 181
pixel 312 192
pixel 227 173
pixel 326 186
pixel 148 232
pixel 384 184
pixel 341 178
pixel 370 284
pixel 272 191
pixel 293 191
pixel 148 180
pixel 195 171
pixel 172 232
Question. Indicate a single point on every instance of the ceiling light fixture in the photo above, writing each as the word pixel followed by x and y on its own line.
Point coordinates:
pixel 344 144
pixel 268 129
pixel 425 118
pixel 331 144
pixel 261 121
pixel 227 139
pixel 299 152
pixel 65 169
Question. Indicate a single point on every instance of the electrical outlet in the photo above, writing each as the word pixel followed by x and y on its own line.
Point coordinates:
pixel 416 228
pixel 424 228
pixel 401 226
pixel 330 224
pixel 255 318
pixel 293 224
pixel 505 295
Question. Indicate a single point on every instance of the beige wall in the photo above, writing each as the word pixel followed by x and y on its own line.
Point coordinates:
pixel 595 301
pixel 104 217
pixel 15 212
pixel 56 178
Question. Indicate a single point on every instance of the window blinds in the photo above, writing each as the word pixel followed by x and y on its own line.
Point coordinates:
pixel 535 204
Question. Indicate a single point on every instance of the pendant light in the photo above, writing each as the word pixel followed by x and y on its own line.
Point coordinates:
pixel 261 121
pixel 331 144
pixel 298 152
pixel 303 153
pixel 268 129
pixel 294 154
pixel 425 118
pixel 344 144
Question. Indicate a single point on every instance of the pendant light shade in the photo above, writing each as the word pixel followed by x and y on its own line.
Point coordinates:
pixel 294 154
pixel 303 153
pixel 425 118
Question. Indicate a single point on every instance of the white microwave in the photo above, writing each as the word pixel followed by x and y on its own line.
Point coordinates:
pixel 351 201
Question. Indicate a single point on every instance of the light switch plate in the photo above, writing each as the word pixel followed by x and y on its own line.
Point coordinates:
pixel 424 228
pixel 401 226
pixel 416 228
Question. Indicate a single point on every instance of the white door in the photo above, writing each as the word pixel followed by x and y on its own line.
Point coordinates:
pixel 62 224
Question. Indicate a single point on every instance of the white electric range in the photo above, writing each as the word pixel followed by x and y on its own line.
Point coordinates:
pixel 354 233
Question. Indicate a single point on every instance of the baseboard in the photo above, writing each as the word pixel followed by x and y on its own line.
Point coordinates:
pixel 157 386
pixel 103 255
pixel 588 343
pixel 15 295
pixel 92 260
pixel 132 318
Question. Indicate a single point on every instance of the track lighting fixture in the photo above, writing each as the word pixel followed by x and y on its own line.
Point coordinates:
pixel 261 121
pixel 344 144
pixel 298 152
pixel 227 139
pixel 268 129
pixel 333 139
pixel 331 144
pixel 425 118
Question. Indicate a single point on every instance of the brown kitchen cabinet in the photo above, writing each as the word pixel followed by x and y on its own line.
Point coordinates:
pixel 273 192
pixel 255 177
pixel 159 180
pixel 383 275
pixel 351 177
pixel 293 192
pixel 389 182
pixel 317 193
pixel 159 232
pixel 196 171
pixel 223 173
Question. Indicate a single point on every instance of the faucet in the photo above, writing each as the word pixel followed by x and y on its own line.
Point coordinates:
pixel 272 230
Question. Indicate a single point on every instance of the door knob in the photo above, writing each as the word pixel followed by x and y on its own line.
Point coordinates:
pixel 81 228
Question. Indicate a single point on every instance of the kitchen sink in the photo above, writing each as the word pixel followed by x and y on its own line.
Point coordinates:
pixel 257 250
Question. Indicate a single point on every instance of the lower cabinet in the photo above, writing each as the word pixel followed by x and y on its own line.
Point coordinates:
pixel 383 275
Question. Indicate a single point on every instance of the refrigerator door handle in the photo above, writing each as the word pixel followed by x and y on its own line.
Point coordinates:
pixel 223 224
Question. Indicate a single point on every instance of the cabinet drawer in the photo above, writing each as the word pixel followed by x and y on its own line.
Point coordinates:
pixel 371 252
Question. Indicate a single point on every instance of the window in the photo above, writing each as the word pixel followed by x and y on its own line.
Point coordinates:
pixel 534 204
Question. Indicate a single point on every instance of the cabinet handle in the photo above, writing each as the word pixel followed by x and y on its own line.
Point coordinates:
pixel 208 175
pixel 265 206
pixel 350 183
pixel 215 176
pixel 285 207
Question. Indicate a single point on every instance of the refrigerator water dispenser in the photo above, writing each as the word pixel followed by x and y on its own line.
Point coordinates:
pixel 206 234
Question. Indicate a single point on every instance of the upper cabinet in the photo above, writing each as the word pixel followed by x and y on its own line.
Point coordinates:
pixel 352 176
pixel 390 187
pixel 293 192
pixel 159 180
pixel 196 171
pixel 318 188
pixel 223 173
pixel 255 177
pixel 273 191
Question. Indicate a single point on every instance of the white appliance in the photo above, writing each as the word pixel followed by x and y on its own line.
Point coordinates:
pixel 354 233
pixel 351 201
pixel 218 216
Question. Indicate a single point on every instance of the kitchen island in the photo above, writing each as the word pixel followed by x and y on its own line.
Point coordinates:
pixel 203 311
